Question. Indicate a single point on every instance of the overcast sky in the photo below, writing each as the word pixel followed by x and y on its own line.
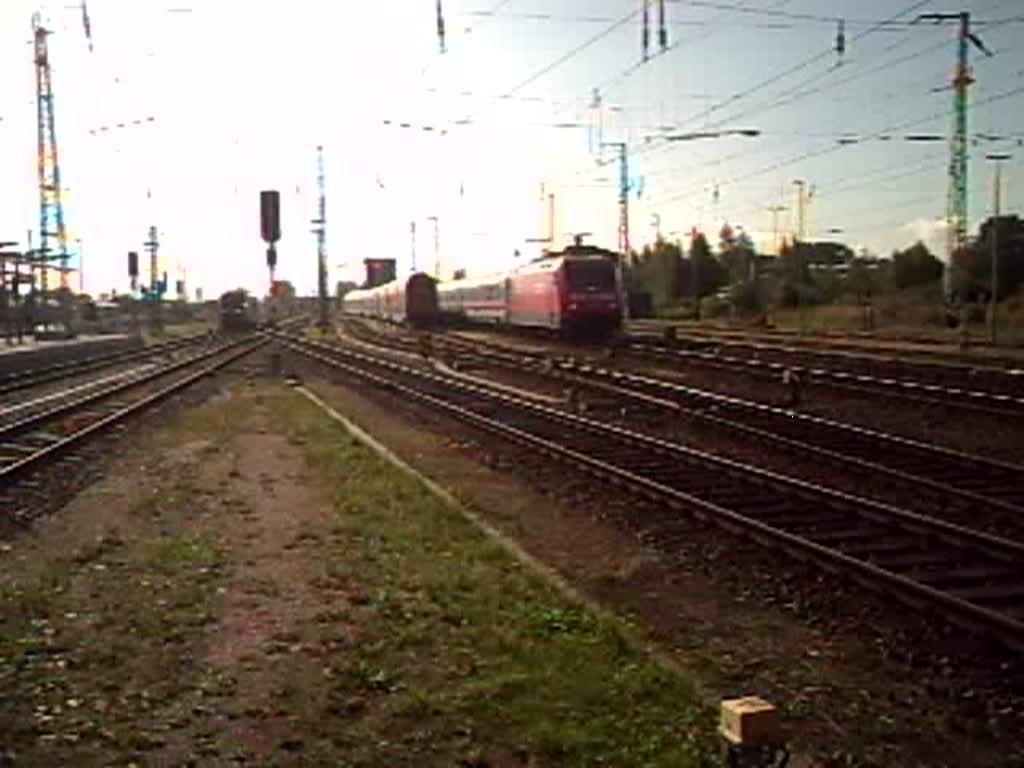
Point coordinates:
pixel 241 93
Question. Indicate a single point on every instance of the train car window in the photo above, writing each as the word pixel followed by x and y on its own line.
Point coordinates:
pixel 590 275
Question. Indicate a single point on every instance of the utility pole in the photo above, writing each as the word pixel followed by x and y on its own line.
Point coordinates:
pixel 623 216
pixel 646 36
pixel 320 229
pixel 412 230
pixel 437 247
pixel 695 273
pixel 440 27
pixel 596 111
pixel 662 28
pixel 801 186
pixel 155 295
pixel 955 277
pixel 153 246
pixel 550 238
pixel 993 301
pixel 623 195
pixel 551 217
pixel 775 211
pixel 81 265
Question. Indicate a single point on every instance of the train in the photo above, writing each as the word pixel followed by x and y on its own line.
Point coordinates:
pixel 238 311
pixel 412 301
pixel 573 293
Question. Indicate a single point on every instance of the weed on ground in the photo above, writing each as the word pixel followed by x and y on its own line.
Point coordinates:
pixel 263 590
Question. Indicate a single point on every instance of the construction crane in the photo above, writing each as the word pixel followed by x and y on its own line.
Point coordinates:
pixel 52 231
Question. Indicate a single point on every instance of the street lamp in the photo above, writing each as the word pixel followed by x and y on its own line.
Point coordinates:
pixel 81 265
pixel 993 304
pixel 437 251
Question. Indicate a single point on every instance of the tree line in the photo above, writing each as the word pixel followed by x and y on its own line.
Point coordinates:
pixel 806 273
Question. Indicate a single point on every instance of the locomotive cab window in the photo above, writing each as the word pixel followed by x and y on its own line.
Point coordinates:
pixel 590 275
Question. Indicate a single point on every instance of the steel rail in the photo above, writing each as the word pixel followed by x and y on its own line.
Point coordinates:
pixel 817 435
pixel 14 427
pixel 19 380
pixel 920 392
pixel 21 466
pixel 967 543
pixel 939 363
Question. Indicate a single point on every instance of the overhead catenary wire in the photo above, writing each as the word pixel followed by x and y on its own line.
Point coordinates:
pixel 801 65
pixel 995 98
pixel 552 66
pixel 767 82
pixel 763 147
pixel 655 149
pixel 794 94
pixel 673 46
pixel 676 45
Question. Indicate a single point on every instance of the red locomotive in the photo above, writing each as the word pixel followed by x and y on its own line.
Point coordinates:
pixel 572 293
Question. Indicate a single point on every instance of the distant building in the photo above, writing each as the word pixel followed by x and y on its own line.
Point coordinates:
pixel 379 272
pixel 824 255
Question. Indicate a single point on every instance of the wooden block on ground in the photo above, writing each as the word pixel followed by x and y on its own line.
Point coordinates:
pixel 750 720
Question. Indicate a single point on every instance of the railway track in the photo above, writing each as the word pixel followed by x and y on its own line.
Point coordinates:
pixel 912 351
pixel 994 489
pixel 34 377
pixel 990 390
pixel 973 579
pixel 45 436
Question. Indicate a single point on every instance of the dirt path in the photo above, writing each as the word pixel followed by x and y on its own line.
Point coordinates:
pixel 251 587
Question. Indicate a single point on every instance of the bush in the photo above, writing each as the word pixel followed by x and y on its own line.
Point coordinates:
pixel 744 296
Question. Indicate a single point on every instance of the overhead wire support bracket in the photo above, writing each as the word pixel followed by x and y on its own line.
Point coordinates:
pixel 440 26
pixel 662 28
pixel 646 36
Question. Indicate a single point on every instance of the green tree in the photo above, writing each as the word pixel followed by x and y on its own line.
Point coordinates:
pixel 915 265
pixel 738 259
pixel 342 287
pixel 656 271
pixel 976 258
pixel 860 279
pixel 701 265
pixel 726 239
pixel 284 290
pixel 794 276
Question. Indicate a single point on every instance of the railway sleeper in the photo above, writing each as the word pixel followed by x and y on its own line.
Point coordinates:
pixel 17 448
pixel 908 562
pixel 966 576
pixel 642 463
pixel 741 500
pixel 816 530
pixel 863 548
pixel 780 514
pixel 1002 488
pixel 993 595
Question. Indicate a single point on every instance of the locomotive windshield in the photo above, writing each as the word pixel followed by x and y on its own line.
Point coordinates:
pixel 590 276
